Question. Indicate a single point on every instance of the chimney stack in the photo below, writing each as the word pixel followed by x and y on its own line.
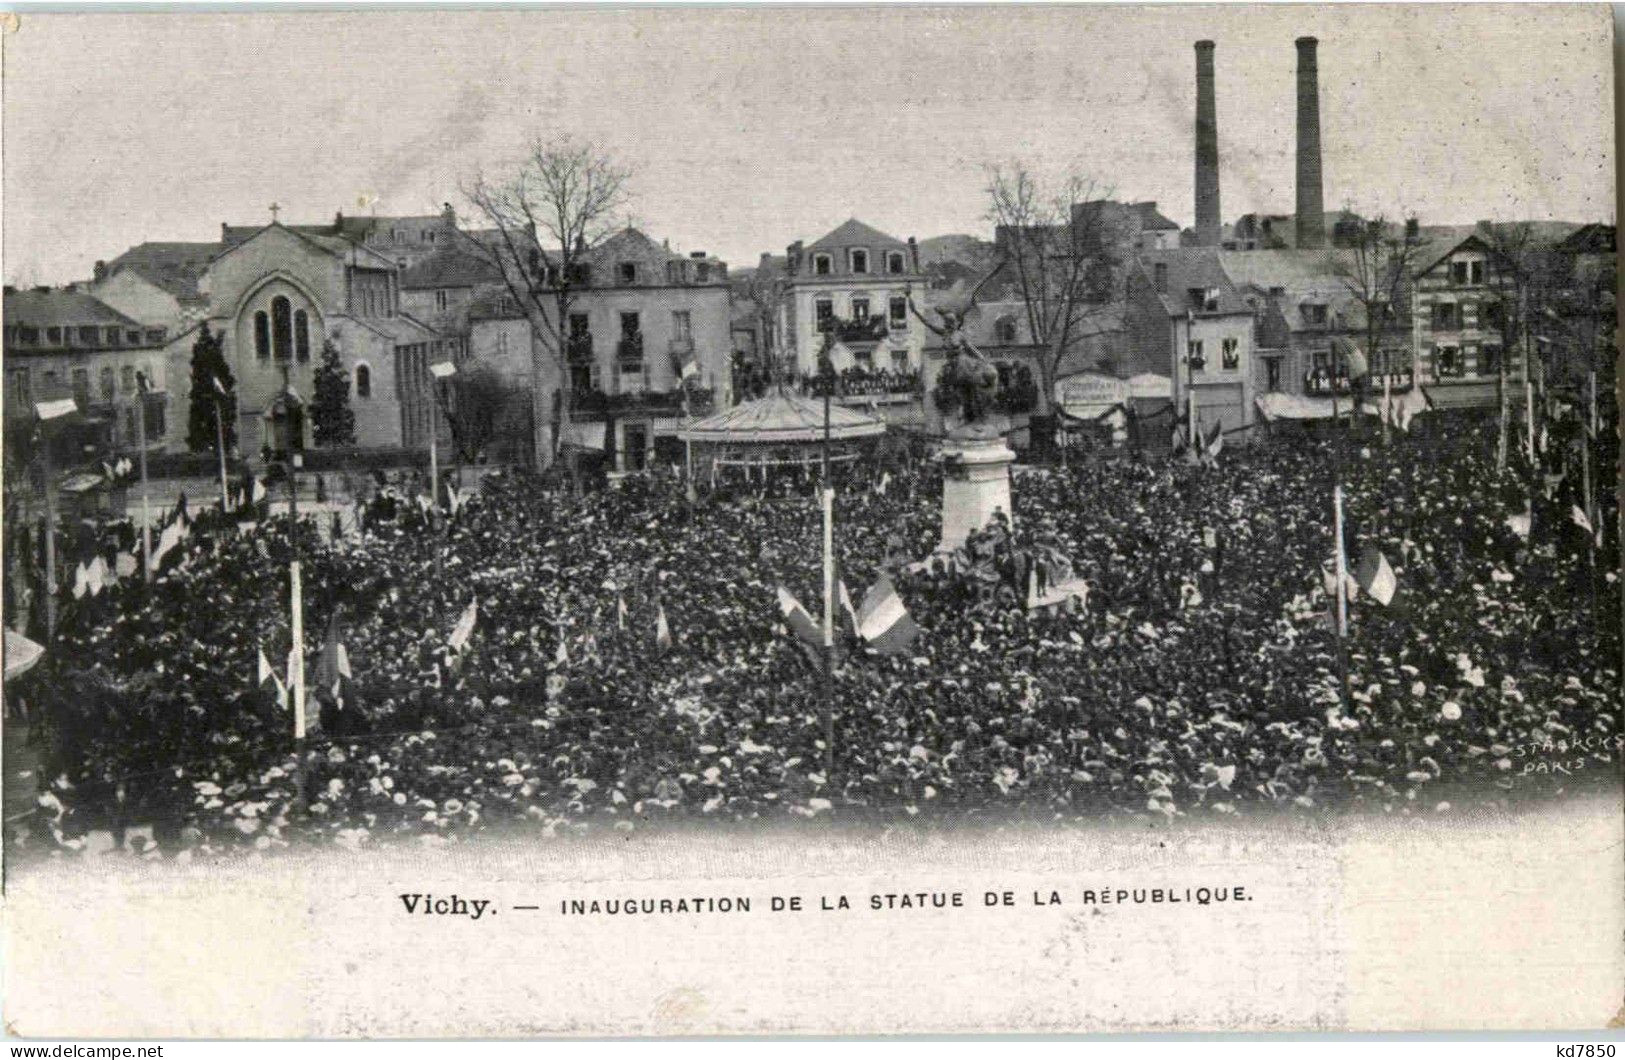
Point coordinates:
pixel 1207 150
pixel 1311 218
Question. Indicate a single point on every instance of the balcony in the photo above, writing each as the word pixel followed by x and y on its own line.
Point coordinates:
pixel 871 329
pixel 630 347
pixel 594 402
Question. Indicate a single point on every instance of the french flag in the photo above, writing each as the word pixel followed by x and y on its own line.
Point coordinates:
pixel 883 621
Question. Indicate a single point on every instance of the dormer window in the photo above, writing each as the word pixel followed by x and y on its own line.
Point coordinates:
pixel 627 272
pixel 674 272
pixel 822 265
pixel 1005 329
pixel 1314 313
pixel 1159 274
pixel 860 261
pixel 894 262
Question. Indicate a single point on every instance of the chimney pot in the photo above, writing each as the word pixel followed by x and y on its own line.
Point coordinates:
pixel 100 271
pixel 1311 218
pixel 1207 149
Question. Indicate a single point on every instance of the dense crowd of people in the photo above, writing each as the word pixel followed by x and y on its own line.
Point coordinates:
pixel 629 662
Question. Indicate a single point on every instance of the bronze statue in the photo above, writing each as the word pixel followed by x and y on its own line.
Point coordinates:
pixel 968 384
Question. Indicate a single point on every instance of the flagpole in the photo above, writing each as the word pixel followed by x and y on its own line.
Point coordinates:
pixel 1341 575
pixel 828 498
pixel 141 444
pixel 50 535
pixel 220 447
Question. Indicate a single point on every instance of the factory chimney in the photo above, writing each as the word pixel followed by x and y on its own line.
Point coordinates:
pixel 1207 150
pixel 1311 218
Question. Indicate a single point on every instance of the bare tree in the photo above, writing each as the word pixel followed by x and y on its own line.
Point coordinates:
pixel 765 290
pixel 1375 267
pixel 480 407
pixel 1514 273
pixel 1060 247
pixel 544 217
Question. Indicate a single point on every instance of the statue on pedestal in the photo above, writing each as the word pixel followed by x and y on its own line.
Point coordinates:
pixel 967 388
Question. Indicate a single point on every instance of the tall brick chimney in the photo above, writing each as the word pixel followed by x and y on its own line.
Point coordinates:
pixel 1207 150
pixel 1311 216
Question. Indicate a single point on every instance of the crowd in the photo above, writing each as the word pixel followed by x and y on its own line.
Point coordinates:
pixel 629 662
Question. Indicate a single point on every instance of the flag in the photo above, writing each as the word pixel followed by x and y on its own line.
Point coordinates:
pixel 883 621
pixel 561 658
pixel 333 668
pixel 885 480
pixel 1213 442
pixel 256 492
pixel 691 366
pixel 620 611
pixel 844 601
pixel 465 626
pixel 1328 582
pixel 219 385
pixel 265 672
pixel 800 622
pixel 1179 440
pixel 691 493
pixel 79 586
pixel 1376 577
pixel 124 564
pixel 1583 521
pixel 96 576
pixel 1519 524
pixel 662 629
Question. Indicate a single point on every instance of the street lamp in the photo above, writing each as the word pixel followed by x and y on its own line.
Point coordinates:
pixel 142 386
pixel 51 416
pixel 441 371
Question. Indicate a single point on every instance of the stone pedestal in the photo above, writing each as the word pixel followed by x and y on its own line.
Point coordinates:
pixel 975 484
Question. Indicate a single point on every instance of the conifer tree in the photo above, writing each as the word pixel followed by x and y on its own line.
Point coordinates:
pixel 332 418
pixel 210 376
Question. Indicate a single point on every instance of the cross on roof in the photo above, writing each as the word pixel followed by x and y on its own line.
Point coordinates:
pixel 275 209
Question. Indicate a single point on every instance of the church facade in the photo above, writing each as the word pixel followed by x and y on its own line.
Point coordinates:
pixel 276 298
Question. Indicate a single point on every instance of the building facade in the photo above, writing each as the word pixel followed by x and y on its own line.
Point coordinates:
pixel 860 275
pixel 1461 323
pixel 66 343
pixel 1188 318
pixel 277 297
pixel 639 314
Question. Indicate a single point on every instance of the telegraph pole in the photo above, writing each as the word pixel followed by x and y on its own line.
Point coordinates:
pixel 827 497
pixel 141 444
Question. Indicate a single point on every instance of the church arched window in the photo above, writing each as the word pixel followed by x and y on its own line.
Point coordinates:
pixel 262 335
pixel 363 381
pixel 282 328
pixel 301 335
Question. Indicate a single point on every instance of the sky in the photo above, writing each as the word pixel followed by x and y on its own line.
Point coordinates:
pixel 748 129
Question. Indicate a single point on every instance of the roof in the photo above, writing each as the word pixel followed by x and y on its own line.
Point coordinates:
pixel 854 233
pixel 1152 219
pixel 351 229
pixel 175 267
pixel 781 417
pixel 58 307
pixel 451 267
pixel 333 245
pixel 1190 268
